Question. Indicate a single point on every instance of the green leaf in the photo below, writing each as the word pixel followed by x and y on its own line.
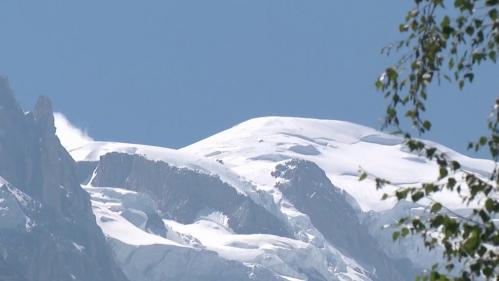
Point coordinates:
pixel 442 173
pixel 470 30
pixel 401 194
pixel 487 271
pixel 445 21
pixel 471 244
pixel 430 152
pixel 461 84
pixel 437 221
pixel 430 188
pixel 451 182
pixel 477 57
pixel 418 225
pixel 469 76
pixel 395 235
pixel 391 112
pixel 436 207
pixel 391 73
pixel 417 196
pixel 485 217
pixel 362 176
pixel 427 125
pixel 455 165
pixel 491 205
pixel 493 14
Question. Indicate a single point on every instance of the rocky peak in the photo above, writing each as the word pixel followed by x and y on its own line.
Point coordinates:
pixel 7 100
pixel 311 192
pixel 13 135
pixel 44 115
pixel 33 160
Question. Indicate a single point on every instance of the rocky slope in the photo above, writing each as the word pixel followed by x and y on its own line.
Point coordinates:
pixel 47 228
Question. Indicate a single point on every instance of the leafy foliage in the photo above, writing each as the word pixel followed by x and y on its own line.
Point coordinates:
pixel 446 40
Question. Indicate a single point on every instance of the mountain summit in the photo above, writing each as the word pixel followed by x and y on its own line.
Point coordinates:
pixel 277 194
pixel 271 199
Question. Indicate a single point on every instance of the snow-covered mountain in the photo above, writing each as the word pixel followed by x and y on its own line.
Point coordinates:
pixel 273 198
pixel 339 148
pixel 277 198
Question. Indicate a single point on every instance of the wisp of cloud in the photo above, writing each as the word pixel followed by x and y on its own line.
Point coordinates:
pixel 70 136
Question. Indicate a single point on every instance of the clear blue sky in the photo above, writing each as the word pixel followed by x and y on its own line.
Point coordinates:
pixel 172 72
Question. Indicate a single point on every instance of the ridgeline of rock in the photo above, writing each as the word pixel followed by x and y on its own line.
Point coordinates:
pixel 312 193
pixel 183 194
pixel 47 229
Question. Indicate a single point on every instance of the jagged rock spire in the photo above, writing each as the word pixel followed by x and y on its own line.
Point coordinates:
pixel 44 115
pixel 7 100
pixel 33 160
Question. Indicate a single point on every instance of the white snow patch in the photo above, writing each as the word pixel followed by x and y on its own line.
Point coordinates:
pixel 291 278
pixel 253 148
pixel 114 225
pixel 30 224
pixel 79 247
pixel 279 254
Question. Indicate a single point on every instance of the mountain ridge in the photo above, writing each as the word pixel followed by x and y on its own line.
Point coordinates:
pixel 270 199
pixel 59 239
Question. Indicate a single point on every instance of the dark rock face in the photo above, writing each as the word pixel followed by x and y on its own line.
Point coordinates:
pixel 155 225
pixel 182 194
pixel 63 241
pixel 310 191
pixel 84 170
pixel 9 274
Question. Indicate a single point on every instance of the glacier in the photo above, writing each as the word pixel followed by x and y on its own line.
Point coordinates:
pixel 273 198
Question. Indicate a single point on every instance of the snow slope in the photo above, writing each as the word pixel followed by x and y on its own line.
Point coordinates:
pixel 252 148
pixel 210 234
pixel 244 157
pixel 108 206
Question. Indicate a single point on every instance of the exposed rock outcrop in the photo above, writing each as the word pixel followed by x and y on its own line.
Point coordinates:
pixel 307 187
pixel 183 194
pixel 62 240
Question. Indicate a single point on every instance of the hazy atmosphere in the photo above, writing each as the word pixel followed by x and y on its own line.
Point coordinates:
pixel 249 140
pixel 170 73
